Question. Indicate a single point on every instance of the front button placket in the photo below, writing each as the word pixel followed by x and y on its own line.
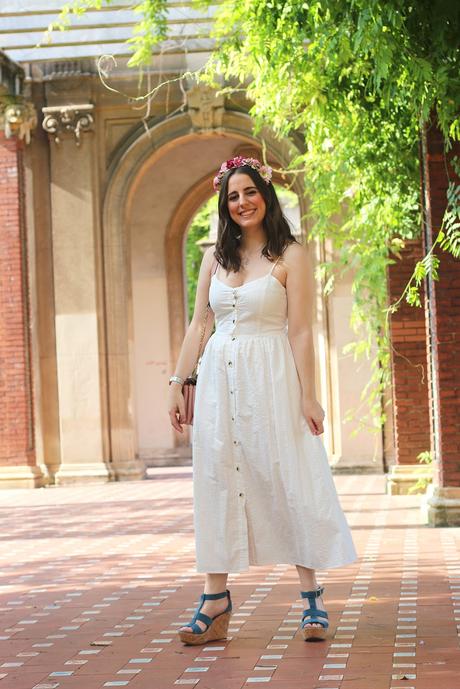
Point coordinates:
pixel 235 466
pixel 232 357
pixel 236 444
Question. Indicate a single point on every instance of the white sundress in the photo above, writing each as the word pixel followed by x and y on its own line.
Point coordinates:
pixel 262 486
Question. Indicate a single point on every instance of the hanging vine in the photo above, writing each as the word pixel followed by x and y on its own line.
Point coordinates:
pixel 355 79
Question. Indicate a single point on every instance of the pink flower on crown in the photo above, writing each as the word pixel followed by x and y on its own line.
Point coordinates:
pixel 238 161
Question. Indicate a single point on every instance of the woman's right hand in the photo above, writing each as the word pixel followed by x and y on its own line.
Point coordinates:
pixel 176 406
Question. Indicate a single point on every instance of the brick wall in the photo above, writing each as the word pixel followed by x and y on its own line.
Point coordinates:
pixel 16 422
pixel 409 363
pixel 445 308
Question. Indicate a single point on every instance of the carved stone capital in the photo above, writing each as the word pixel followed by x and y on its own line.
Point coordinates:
pixel 73 119
pixel 18 119
pixel 205 107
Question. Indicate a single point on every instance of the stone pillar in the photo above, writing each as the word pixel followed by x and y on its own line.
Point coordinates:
pixel 18 466
pixel 411 420
pixel 442 504
pixel 83 450
pixel 40 271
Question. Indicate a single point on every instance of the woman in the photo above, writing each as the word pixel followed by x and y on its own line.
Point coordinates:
pixel 263 490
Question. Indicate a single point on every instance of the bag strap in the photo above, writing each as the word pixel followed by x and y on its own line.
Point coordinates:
pixel 203 329
pixel 275 263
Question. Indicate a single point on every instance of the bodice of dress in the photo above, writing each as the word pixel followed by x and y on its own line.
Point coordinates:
pixel 258 307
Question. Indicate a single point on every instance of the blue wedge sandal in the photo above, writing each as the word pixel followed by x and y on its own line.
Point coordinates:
pixel 313 615
pixel 216 627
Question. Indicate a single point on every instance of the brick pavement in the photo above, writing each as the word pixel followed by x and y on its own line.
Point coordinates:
pixel 96 579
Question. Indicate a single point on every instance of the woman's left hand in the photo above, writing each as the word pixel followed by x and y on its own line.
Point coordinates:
pixel 314 415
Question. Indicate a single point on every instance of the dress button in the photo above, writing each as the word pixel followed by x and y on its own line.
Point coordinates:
pixel 237 468
pixel 233 321
pixel 231 392
pixel 233 338
pixel 240 494
pixel 235 442
pixel 233 418
pixel 229 363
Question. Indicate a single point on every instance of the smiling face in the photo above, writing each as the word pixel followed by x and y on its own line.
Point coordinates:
pixel 246 205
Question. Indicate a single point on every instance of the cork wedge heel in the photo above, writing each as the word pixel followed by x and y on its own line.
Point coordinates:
pixel 313 615
pixel 216 627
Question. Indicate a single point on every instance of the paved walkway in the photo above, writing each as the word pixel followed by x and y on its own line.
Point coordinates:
pixel 96 579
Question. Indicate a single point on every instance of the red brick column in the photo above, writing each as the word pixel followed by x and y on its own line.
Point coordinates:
pixel 16 417
pixel 409 365
pixel 442 503
pixel 444 320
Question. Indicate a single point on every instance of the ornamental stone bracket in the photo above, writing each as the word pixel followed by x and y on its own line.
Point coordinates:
pixel 205 107
pixel 72 119
pixel 18 119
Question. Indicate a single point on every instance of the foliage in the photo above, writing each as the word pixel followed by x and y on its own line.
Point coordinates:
pixel 449 234
pixel 150 30
pixel 448 238
pixel 356 79
pixel 424 458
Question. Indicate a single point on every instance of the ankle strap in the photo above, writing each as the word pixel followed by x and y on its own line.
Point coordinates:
pixel 313 594
pixel 215 596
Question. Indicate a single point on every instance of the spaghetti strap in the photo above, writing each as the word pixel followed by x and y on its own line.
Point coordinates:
pixel 273 266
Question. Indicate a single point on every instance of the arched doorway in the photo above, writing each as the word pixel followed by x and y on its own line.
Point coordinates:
pixel 158 181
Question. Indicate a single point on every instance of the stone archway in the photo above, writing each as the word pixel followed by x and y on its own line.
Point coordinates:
pixel 175 236
pixel 162 145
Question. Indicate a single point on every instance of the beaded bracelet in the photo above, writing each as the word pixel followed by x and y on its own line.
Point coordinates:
pixel 176 379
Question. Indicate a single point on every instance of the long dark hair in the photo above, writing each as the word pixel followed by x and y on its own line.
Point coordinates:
pixel 276 226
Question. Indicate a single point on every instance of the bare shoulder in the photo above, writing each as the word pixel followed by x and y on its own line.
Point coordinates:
pixel 209 253
pixel 208 259
pixel 296 256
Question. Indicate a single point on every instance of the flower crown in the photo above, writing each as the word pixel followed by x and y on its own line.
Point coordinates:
pixel 264 171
